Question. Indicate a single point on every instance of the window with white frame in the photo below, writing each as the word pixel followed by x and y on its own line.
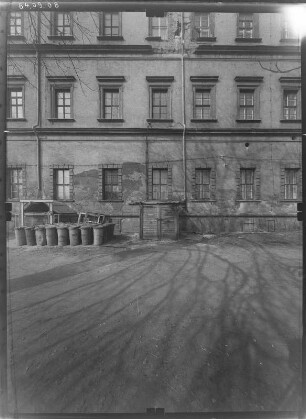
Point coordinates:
pixel 204 98
pixel 202 184
pixel 111 187
pixel 246 104
pixel 62 103
pixel 158 27
pixel 291 184
pixel 202 103
pixel 291 100
pixel 110 24
pixel 247 184
pixel 248 89
pixel 245 25
pixel 290 104
pixel 15 24
pixel 288 30
pixel 62 181
pixel 203 25
pixel 111 98
pixel 61 106
pixel 62 24
pixel 160 98
pixel 159 184
pixel 15 183
pixel 15 102
pixel 110 182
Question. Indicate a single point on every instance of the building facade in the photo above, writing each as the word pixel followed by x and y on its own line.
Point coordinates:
pixel 109 110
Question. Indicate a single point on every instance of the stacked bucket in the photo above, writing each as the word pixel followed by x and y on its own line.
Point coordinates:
pixel 64 235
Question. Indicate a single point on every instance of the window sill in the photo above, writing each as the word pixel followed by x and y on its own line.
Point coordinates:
pixel 252 40
pixel 206 39
pixel 111 200
pixel 290 120
pixel 16 37
pixel 110 38
pixel 61 119
pixel 159 120
pixel 64 200
pixel 203 200
pixel 61 37
pixel 204 120
pixel 16 119
pixel 288 40
pixel 154 38
pixel 290 201
pixel 105 120
pixel 248 200
pixel 248 120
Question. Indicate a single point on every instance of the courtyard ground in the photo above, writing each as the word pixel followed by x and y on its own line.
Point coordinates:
pixel 202 324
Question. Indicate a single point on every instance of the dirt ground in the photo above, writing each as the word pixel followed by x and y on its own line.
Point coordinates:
pixel 202 324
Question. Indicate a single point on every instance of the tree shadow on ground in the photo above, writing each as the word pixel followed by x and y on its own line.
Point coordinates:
pixel 191 328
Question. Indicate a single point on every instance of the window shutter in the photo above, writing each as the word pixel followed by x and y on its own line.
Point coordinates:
pixel 257 184
pixel 238 183
pixel 299 185
pixel 71 184
pixel 256 25
pixel 101 23
pixel 193 190
pixel 282 183
pixel 24 183
pixel 212 24
pixel 213 184
pixel 169 183
pixel 8 183
pixel 52 184
pixel 194 32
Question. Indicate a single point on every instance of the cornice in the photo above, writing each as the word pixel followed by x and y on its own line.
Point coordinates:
pixel 149 132
pixel 80 49
pixel 248 49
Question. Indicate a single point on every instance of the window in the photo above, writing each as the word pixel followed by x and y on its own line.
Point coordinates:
pixel 160 184
pixel 247 184
pixel 111 96
pixel 110 182
pixel 61 98
pixel 203 25
pixel 111 104
pixel 288 30
pixel 15 183
pixel 245 25
pixel 160 98
pixel 62 24
pixel 202 104
pixel 248 27
pixel 160 105
pixel 246 104
pixel 62 184
pixel 202 183
pixel 290 104
pixel 15 24
pixel 110 24
pixel 291 183
pixel 248 98
pixel 204 98
pixel 15 103
pixel 62 103
pixel 158 27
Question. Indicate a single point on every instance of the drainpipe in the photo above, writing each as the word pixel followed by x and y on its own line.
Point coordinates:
pixel 38 103
pixel 183 109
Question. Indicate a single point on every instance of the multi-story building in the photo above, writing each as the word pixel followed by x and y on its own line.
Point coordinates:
pixel 200 110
